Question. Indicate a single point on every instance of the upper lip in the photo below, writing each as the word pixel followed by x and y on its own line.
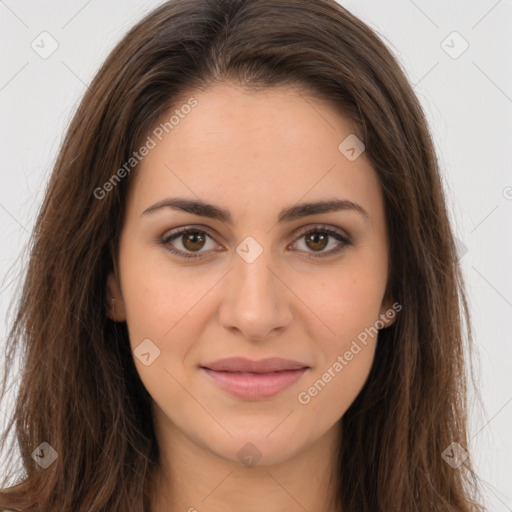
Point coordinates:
pixel 241 364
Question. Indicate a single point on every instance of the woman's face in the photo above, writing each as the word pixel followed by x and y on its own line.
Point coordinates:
pixel 256 284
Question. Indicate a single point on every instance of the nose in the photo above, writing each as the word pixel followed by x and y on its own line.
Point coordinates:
pixel 256 301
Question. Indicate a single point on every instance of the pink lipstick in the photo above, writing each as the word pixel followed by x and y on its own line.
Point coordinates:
pixel 254 380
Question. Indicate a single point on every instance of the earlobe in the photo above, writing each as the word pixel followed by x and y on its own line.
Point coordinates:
pixel 115 304
pixel 388 313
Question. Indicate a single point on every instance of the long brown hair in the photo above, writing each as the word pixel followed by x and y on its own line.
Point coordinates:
pixel 79 390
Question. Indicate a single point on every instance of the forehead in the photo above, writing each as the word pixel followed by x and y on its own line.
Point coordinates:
pixel 242 147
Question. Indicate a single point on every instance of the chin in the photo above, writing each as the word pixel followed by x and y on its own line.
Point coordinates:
pixel 256 448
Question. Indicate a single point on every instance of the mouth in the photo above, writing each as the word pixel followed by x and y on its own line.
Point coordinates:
pixel 254 380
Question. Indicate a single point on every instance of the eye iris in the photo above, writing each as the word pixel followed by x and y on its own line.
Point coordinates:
pixel 193 238
pixel 317 238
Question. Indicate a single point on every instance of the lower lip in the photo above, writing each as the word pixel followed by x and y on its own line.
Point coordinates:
pixel 255 386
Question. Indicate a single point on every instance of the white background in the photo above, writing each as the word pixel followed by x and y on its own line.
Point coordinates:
pixel 468 101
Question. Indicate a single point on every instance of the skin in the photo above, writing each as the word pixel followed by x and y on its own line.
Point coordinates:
pixel 252 153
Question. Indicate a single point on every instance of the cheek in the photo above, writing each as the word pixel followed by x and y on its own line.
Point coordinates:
pixel 349 306
pixel 347 300
pixel 166 309
pixel 330 392
pixel 158 298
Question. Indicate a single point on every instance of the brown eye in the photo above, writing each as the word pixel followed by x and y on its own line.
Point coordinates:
pixel 317 241
pixel 191 241
pixel 318 238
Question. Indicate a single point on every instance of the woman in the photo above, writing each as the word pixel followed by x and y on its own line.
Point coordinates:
pixel 243 289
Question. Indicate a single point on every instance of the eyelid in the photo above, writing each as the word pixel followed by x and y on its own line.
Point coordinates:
pixel 342 237
pixel 320 226
pixel 175 233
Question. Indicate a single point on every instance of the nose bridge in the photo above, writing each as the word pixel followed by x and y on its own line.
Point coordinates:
pixel 256 301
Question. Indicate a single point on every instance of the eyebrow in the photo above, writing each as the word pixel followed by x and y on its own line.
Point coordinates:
pixel 202 209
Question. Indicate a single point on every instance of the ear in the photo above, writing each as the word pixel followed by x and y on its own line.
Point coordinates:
pixel 388 312
pixel 115 303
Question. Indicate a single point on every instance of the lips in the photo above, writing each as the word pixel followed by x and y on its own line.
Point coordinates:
pixel 253 380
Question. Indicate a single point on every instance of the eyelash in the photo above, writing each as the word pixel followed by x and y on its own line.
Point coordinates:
pixel 345 241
